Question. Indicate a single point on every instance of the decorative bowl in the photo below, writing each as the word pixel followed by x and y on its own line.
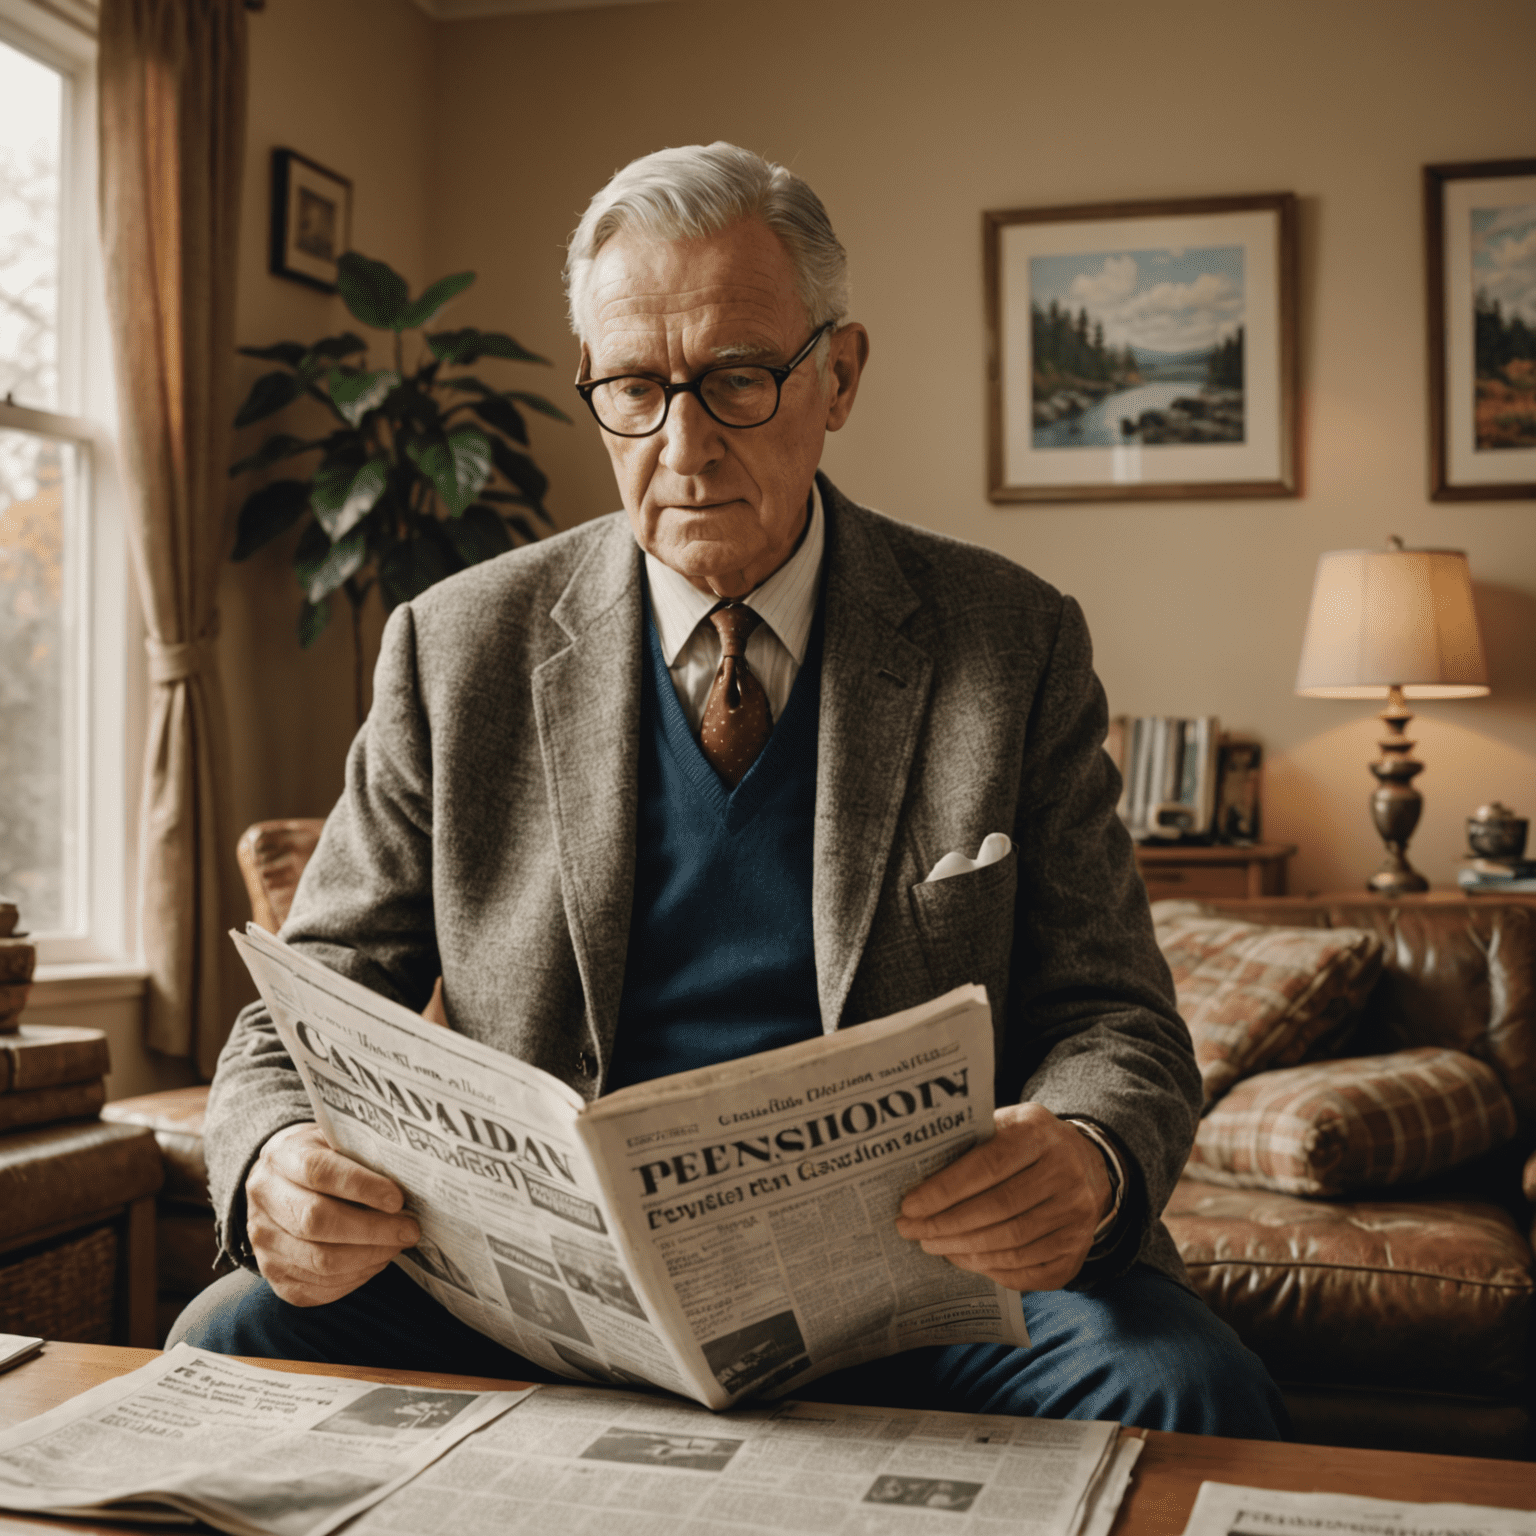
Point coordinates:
pixel 1495 832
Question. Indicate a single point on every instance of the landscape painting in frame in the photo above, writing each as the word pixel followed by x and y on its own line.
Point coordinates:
pixel 1480 250
pixel 1142 350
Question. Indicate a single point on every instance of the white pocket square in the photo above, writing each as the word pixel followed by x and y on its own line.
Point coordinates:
pixel 995 846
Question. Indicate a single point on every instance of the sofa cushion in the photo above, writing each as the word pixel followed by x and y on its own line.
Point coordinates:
pixel 1337 1126
pixel 1434 1295
pixel 1256 996
pixel 176 1118
pixel 1459 972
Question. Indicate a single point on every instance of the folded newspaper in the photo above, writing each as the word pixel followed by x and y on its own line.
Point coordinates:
pixel 273 1453
pixel 720 1233
pixel 1223 1509
pixel 194 1436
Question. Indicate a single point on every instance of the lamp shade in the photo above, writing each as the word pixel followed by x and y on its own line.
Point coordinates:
pixel 1393 617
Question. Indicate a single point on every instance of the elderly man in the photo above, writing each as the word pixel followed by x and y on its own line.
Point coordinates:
pixel 664 790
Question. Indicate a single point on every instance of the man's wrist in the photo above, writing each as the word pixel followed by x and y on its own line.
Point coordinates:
pixel 1104 1232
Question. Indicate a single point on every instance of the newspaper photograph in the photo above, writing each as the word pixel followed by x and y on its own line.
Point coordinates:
pixel 577 1460
pixel 721 1233
pixel 197 1436
pixel 1222 1509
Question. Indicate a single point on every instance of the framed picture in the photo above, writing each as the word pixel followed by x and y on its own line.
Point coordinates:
pixel 311 220
pixel 1480 262
pixel 1142 350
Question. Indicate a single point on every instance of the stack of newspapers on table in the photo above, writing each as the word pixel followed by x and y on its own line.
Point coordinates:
pixel 270 1453
pixel 1498 877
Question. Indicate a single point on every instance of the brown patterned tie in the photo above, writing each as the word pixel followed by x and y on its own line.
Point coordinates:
pixel 737 721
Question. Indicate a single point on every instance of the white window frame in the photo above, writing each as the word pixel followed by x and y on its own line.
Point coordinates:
pixel 112 701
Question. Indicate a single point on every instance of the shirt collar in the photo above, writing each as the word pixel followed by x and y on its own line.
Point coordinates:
pixel 786 602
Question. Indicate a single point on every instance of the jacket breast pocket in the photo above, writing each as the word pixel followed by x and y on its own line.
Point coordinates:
pixel 965 925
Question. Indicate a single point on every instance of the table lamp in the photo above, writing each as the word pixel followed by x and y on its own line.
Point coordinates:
pixel 1393 624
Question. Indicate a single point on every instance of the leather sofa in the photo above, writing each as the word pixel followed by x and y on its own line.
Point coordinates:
pixel 1402 1321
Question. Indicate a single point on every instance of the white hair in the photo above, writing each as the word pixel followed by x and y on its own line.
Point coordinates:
pixel 701 189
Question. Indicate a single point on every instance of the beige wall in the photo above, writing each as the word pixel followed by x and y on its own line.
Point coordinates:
pixel 910 119
pixel 475 144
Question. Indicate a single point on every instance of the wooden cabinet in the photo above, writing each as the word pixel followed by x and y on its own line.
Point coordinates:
pixel 1172 870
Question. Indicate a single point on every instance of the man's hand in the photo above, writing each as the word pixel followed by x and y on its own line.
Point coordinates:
pixel 1021 1208
pixel 320 1224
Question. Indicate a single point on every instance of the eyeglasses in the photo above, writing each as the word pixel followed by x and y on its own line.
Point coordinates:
pixel 734 394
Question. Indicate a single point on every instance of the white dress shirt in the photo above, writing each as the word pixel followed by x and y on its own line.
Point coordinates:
pixel 786 604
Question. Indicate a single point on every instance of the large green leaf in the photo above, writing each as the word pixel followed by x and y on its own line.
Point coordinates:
pixel 355 394
pixel 499 412
pixel 479 535
pixel 467 345
pixel 424 310
pixel 333 348
pixel 290 352
pixel 538 403
pixel 458 465
pixel 409 567
pixel 523 528
pixel 417 406
pixel 321 571
pixel 344 494
pixel 375 293
pixel 268 512
pixel 520 470
pixel 273 451
pixel 313 617
pixel 271 392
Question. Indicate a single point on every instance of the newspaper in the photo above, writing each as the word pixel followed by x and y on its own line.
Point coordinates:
pixel 195 1436
pixel 719 1233
pixel 1224 1510
pixel 269 1453
pixel 574 1459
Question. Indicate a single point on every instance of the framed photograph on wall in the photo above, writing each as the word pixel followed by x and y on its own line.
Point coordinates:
pixel 1142 350
pixel 311 220
pixel 1480 262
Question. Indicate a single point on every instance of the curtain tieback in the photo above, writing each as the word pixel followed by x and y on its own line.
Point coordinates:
pixel 175 661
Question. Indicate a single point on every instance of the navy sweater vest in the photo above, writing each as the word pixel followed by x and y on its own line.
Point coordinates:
pixel 721 961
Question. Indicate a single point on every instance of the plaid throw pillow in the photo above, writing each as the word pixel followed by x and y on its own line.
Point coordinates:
pixel 1257 997
pixel 1336 1126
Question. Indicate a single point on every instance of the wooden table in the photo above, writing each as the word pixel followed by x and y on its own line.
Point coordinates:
pixel 1167 1477
pixel 1221 870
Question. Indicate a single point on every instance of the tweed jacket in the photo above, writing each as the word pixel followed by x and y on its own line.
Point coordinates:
pixel 487 832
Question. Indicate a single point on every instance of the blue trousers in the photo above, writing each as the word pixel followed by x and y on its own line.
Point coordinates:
pixel 1141 1349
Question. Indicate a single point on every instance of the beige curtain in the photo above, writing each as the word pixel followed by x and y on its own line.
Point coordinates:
pixel 172 76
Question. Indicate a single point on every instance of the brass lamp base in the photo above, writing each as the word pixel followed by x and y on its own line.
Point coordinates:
pixel 1396 804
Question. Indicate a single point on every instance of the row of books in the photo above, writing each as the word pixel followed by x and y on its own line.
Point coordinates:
pixel 1169 767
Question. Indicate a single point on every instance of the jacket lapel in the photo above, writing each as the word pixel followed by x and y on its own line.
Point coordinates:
pixel 874 693
pixel 586 701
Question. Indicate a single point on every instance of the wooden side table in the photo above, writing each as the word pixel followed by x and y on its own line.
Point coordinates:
pixel 1223 871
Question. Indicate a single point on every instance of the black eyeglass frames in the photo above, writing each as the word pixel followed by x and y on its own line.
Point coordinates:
pixel 734 394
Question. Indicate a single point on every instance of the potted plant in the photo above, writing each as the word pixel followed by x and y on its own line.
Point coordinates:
pixel 424 473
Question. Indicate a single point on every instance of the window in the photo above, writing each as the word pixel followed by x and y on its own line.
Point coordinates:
pixel 65 619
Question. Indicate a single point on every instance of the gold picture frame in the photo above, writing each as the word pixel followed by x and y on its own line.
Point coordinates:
pixel 1179 381
pixel 1480 275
